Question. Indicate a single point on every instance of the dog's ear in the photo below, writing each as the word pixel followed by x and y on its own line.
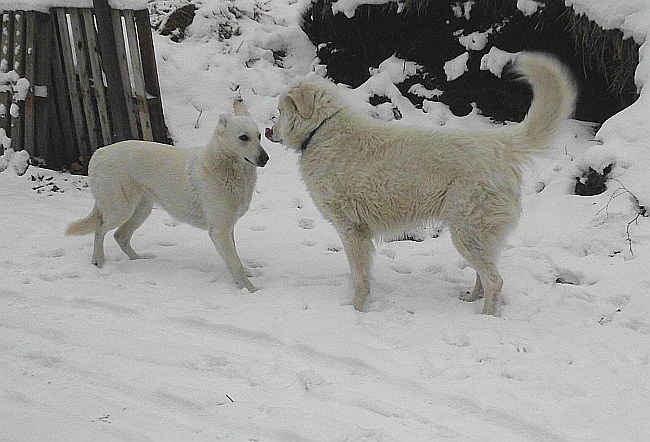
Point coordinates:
pixel 303 100
pixel 223 123
pixel 240 108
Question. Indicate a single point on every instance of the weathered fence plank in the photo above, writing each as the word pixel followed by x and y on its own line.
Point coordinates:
pixel 17 105
pixel 81 53
pixel 138 76
pixel 64 124
pixel 107 49
pixel 71 84
pixel 57 149
pixel 97 76
pixel 124 71
pixel 42 87
pixel 150 71
pixel 30 75
pixel 6 60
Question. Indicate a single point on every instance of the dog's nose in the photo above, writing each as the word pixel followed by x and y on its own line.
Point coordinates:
pixel 268 133
pixel 263 158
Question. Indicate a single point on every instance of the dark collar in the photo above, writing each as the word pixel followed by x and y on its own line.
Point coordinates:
pixel 303 146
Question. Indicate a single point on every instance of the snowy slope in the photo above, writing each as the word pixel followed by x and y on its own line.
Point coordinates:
pixel 169 349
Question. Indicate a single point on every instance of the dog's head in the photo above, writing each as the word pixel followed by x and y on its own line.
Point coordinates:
pixel 239 134
pixel 302 109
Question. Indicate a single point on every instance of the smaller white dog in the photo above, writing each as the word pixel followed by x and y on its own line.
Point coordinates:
pixel 207 187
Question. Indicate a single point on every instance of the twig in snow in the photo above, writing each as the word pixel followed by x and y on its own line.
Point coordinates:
pixel 605 319
pixel 618 192
pixel 196 125
pixel 640 210
pixel 627 232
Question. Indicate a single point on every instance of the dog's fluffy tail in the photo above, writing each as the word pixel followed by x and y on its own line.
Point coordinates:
pixel 554 97
pixel 85 226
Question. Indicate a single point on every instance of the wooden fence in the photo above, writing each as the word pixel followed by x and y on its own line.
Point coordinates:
pixel 77 79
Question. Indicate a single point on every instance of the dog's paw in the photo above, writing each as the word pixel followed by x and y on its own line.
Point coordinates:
pixel 250 288
pixel 490 308
pixel 246 285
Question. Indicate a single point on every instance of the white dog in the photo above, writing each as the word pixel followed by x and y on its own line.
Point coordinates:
pixel 370 178
pixel 207 187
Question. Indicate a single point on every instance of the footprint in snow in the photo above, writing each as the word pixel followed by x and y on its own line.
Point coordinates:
pixel 390 254
pixel 306 223
pixel 401 269
pixel 564 276
pixel 254 268
pixel 254 264
pixel 53 253
pixel 456 338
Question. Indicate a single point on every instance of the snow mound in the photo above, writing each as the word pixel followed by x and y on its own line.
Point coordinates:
pixel 16 161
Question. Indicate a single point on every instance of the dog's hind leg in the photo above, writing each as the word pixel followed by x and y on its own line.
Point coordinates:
pixel 476 293
pixel 492 289
pixel 480 255
pixel 124 233
pixel 480 216
pixel 357 242
pixel 224 241
pixel 98 248
pixel 117 202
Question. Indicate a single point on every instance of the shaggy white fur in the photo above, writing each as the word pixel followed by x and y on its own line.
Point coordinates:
pixel 370 178
pixel 207 187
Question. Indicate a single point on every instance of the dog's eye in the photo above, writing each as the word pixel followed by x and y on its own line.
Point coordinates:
pixel 244 137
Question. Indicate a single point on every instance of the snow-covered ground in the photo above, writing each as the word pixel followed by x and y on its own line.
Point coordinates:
pixel 169 349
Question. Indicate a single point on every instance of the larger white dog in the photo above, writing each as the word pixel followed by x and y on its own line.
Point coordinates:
pixel 370 178
pixel 207 187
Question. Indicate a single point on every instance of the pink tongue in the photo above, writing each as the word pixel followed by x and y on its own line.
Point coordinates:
pixel 268 133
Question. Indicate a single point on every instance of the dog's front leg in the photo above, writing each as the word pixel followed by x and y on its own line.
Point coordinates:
pixel 224 241
pixel 357 242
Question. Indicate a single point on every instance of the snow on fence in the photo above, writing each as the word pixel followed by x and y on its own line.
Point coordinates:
pixel 76 79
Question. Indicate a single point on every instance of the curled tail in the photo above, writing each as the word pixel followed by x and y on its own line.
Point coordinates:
pixel 85 226
pixel 554 97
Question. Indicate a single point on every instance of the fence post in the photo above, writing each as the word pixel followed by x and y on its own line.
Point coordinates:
pixel 6 58
pixel 30 75
pixel 110 62
pixel 150 72
pixel 18 65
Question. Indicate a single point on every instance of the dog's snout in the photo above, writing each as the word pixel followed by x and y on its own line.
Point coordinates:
pixel 263 158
